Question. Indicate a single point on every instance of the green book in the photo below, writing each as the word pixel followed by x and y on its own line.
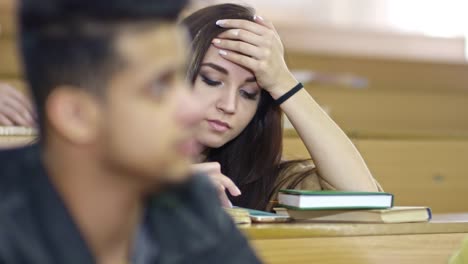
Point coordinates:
pixel 331 200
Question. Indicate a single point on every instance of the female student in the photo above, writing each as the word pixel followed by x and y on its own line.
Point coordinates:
pixel 238 69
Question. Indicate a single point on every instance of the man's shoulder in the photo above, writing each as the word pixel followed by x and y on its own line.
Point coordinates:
pixel 15 166
pixel 12 166
pixel 196 196
pixel 198 225
pixel 14 213
pixel 201 196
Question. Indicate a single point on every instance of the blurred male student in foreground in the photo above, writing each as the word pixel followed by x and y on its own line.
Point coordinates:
pixel 107 182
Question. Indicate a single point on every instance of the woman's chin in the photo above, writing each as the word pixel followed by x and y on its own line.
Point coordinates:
pixel 212 142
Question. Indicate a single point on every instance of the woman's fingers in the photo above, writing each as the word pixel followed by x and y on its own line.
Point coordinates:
pixel 15 106
pixel 243 24
pixel 17 111
pixel 240 59
pixel 239 47
pixel 206 167
pixel 4 121
pixel 19 97
pixel 224 200
pixel 262 21
pixel 213 170
pixel 244 35
pixel 223 183
pixel 229 185
pixel 11 114
pixel 262 51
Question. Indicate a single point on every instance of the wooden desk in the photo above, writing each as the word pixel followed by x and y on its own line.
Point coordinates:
pixel 15 141
pixel 307 243
pixel 11 136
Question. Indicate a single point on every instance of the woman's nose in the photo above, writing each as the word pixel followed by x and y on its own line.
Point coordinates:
pixel 228 101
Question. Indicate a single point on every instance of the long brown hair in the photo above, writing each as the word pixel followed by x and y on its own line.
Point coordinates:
pixel 253 159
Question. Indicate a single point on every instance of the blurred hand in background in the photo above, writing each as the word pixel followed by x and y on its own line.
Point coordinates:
pixel 15 108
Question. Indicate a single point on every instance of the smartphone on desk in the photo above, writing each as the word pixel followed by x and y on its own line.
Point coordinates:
pixel 258 216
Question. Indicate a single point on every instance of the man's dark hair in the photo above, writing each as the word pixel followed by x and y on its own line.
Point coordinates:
pixel 70 42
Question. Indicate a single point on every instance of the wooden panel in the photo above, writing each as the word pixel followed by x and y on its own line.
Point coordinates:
pixel 401 249
pixel 418 172
pixel 7 23
pixel 18 84
pixel 432 173
pixel 367 111
pixel 326 39
pixel 9 64
pixel 7 4
pixel 388 74
pixel 7 18
pixel 293 148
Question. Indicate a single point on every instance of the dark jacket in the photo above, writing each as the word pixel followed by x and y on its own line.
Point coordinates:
pixel 35 227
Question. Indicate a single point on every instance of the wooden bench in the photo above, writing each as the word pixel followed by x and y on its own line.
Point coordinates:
pixel 9 62
pixel 384 74
pixel 7 22
pixel 418 172
pixel 395 112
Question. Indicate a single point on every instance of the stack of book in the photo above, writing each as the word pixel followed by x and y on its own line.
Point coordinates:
pixel 246 216
pixel 239 215
pixel 337 206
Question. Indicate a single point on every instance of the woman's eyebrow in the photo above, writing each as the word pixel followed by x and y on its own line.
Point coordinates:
pixel 216 67
pixel 251 79
pixel 224 71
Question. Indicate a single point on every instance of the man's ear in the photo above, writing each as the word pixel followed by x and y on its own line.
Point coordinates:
pixel 74 114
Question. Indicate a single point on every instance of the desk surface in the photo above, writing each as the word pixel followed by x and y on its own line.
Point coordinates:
pixel 406 243
pixel 15 141
pixel 308 230
pixel 16 136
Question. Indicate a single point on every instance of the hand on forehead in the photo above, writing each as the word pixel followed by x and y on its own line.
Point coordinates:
pixel 256 46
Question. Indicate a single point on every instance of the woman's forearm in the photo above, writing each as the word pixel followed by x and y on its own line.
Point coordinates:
pixel 337 159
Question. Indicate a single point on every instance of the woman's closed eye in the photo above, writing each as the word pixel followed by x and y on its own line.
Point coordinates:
pixel 249 95
pixel 209 81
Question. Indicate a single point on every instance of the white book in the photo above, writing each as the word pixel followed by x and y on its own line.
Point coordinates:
pixel 300 199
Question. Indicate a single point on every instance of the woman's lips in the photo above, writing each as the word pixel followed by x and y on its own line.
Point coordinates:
pixel 218 126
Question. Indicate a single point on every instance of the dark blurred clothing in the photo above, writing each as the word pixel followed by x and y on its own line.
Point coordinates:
pixel 184 224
